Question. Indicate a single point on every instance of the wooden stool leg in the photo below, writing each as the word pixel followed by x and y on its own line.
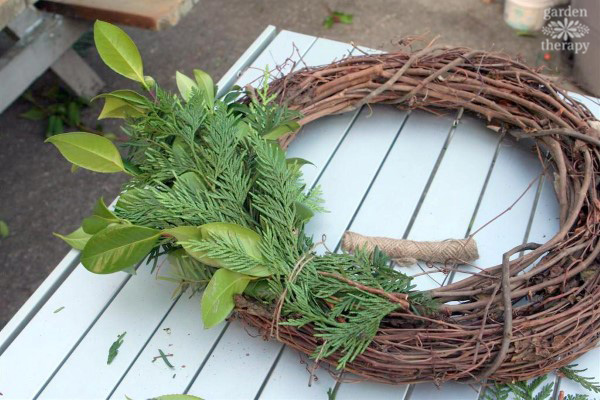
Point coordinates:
pixel 77 74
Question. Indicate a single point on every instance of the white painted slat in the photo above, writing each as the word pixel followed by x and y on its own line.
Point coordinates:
pixel 137 309
pixel 181 334
pixel 453 195
pixel 345 182
pixel 38 350
pixel 280 49
pixel 135 379
pixel 231 355
pixel 516 168
pixel 446 212
pixel 393 199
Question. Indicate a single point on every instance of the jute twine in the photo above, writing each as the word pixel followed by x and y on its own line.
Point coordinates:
pixel 407 252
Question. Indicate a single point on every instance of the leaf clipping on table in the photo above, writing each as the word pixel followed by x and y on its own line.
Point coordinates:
pixel 114 348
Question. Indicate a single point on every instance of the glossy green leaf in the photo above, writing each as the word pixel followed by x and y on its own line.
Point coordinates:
pixel 206 85
pixel 94 224
pixel 282 130
pixel 115 107
pixel 118 51
pixel 128 96
pixel 185 84
pixel 217 299
pixel 88 151
pixel 76 239
pixel 118 247
pixel 248 240
pixel 184 233
pixel 303 212
pixel 177 397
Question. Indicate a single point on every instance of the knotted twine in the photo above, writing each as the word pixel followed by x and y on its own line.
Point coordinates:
pixel 407 252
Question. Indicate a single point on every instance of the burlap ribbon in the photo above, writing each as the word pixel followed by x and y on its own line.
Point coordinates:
pixel 407 252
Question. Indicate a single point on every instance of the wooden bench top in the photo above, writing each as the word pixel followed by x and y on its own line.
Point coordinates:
pixel 149 14
pixel 383 172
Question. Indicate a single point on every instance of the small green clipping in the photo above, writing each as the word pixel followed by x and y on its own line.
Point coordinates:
pixel 114 348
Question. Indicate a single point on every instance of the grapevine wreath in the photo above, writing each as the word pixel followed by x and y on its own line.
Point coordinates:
pixel 212 190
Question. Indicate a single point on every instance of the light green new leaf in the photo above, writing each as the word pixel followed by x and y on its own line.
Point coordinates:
pixel 190 179
pixel 118 51
pixel 177 397
pixel 281 130
pixel 89 151
pixel 295 163
pixel 303 212
pixel 115 107
pixel 101 210
pixel 129 198
pixel 94 224
pixel 217 299
pixel 76 239
pixel 118 247
pixel 184 233
pixel 129 96
pixel 206 85
pixel 185 84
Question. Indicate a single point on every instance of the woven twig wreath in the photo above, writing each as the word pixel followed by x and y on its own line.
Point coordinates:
pixel 480 332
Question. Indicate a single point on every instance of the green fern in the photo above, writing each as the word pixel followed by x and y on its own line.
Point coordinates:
pixel 573 374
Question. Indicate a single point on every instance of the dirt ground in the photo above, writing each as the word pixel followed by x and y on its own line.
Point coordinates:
pixel 38 193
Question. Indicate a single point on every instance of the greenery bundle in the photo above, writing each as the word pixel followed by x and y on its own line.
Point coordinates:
pixel 212 190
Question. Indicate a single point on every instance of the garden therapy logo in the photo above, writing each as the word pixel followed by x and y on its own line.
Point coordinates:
pixel 563 30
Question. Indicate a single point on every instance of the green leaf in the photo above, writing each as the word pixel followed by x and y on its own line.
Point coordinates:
pixel 101 210
pixel 129 198
pixel 217 299
pixel 76 239
pixel 88 151
pixel 55 126
pixel 303 212
pixel 184 233
pixel 185 84
pixel 4 231
pixel 295 163
pixel 191 180
pixel 33 114
pixel 247 238
pixel 73 115
pixel 177 397
pixel 118 51
pixel 128 96
pixel 206 85
pixel 118 247
pixel 281 130
pixel 114 348
pixel 115 107
pixel 94 224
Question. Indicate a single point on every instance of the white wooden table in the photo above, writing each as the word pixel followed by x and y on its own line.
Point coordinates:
pixel 383 172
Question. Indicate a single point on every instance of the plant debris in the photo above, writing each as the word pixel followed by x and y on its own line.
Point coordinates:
pixel 164 356
pixel 114 348
pixel 59 309
pixel 337 17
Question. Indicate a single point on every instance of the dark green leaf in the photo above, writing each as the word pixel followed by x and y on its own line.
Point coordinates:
pixel 34 114
pixel 73 115
pixel 303 212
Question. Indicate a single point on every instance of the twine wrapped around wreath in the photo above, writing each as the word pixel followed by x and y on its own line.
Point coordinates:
pixel 406 252
pixel 524 317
